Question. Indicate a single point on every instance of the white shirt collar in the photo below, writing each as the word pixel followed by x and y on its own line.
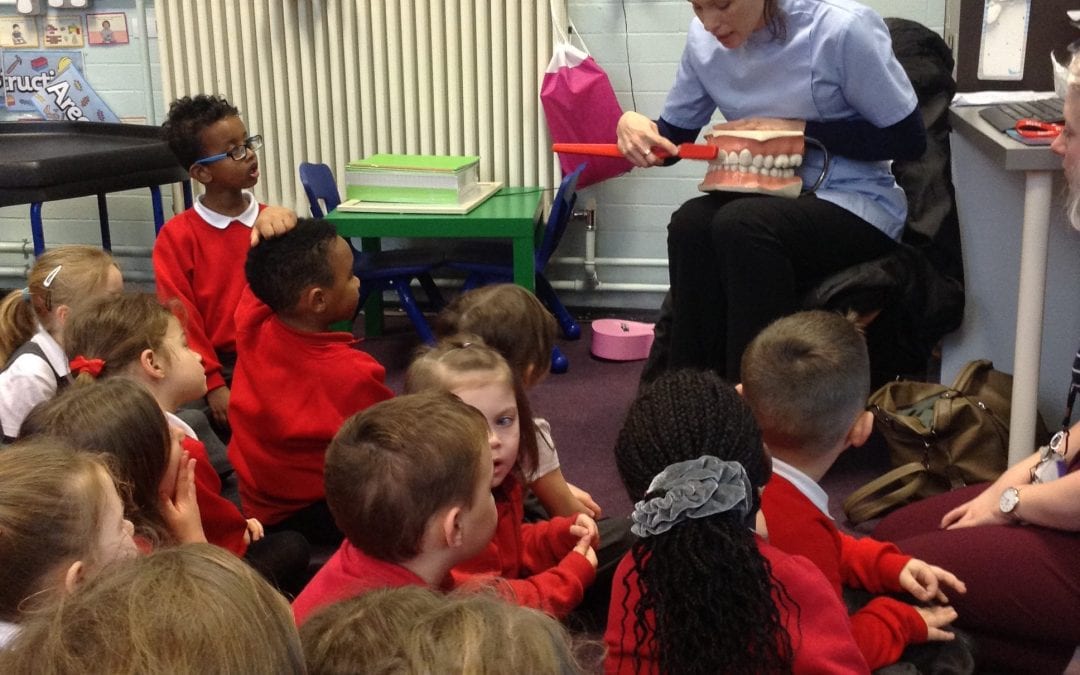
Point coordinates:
pixel 804 484
pixel 52 350
pixel 215 219
pixel 180 424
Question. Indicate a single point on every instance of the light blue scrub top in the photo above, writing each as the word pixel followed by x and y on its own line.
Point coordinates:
pixel 836 64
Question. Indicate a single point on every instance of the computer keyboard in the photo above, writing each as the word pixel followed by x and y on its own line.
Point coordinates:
pixel 1003 116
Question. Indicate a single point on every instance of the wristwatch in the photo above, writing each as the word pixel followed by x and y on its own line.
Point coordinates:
pixel 1010 499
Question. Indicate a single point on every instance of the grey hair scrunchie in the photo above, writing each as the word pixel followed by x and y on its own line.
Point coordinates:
pixel 696 488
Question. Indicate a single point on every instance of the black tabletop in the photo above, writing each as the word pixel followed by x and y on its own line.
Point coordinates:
pixel 42 161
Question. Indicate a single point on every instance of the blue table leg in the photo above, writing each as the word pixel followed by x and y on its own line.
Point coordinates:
pixel 103 216
pixel 36 231
pixel 159 211
pixel 188 199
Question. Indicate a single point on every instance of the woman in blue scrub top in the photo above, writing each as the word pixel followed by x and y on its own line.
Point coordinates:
pixel 740 260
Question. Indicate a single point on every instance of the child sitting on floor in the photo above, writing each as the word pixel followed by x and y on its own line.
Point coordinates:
pixel 700 592
pixel 413 499
pixel 296 381
pixel 807 378
pixel 133 336
pixel 61 522
pixel 199 254
pixel 182 610
pixel 415 630
pixel 120 418
pixel 32 324
pixel 549 564
pixel 511 320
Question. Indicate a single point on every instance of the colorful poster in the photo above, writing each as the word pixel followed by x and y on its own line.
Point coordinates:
pixel 18 32
pixel 63 31
pixel 26 72
pixel 107 29
pixel 70 97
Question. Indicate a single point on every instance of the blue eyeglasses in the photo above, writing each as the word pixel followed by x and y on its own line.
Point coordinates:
pixel 239 153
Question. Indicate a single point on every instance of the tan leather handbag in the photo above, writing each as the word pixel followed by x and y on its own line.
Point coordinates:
pixel 939 438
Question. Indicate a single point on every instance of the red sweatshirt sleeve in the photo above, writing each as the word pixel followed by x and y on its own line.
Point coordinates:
pixel 556 591
pixel 884 627
pixel 174 267
pixel 222 522
pixel 545 543
pixel 870 564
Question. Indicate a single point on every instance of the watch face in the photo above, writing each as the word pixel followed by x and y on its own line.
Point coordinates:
pixel 1009 499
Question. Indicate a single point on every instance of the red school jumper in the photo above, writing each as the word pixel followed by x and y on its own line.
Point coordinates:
pixel 820 632
pixel 222 522
pixel 347 574
pixel 202 266
pixel 292 390
pixel 536 560
pixel 884 626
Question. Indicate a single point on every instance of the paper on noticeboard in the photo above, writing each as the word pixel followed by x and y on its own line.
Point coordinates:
pixel 1004 39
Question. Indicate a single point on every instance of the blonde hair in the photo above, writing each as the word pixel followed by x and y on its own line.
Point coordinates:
pixel 1074 74
pixel 413 630
pixel 187 609
pixel 117 329
pixel 119 417
pixel 52 501
pixel 386 475
pixel 508 318
pixel 465 359
pixel 77 274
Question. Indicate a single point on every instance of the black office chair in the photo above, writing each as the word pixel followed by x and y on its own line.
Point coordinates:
pixel 379 270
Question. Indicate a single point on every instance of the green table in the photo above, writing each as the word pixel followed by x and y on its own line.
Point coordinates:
pixel 511 213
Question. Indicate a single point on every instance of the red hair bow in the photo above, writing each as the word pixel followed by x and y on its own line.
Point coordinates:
pixel 81 364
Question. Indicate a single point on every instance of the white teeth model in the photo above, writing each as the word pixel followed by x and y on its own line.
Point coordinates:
pixel 768 161
pixel 745 158
pixel 796 161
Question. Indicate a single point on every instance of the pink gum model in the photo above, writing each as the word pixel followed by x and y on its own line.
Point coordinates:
pixel 755 161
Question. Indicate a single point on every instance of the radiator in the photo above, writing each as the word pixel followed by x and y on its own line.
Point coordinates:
pixel 335 80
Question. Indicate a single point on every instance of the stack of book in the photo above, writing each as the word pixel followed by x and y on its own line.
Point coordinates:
pixel 415 184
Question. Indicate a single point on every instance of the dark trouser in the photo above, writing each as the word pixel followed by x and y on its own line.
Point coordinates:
pixel 315 522
pixel 738 262
pixel 1023 584
pixel 282 558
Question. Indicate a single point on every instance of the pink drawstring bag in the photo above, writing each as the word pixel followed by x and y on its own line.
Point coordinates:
pixel 581 107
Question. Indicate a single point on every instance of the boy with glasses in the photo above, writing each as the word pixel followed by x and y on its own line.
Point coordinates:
pixel 199 254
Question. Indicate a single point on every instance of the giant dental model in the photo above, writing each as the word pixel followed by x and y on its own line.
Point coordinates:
pixel 758 161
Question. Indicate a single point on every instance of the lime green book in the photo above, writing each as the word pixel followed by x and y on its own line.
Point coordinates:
pixel 413 179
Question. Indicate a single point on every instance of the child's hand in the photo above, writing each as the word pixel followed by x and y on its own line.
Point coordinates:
pixel 218 400
pixel 254 531
pixel 925 581
pixel 585 548
pixel 273 221
pixel 592 508
pixel 936 619
pixel 585 526
pixel 180 508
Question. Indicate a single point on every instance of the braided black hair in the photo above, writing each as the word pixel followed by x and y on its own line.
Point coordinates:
pixel 704 580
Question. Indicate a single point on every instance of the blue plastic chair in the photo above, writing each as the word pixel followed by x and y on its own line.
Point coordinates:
pixel 379 271
pixel 490 262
